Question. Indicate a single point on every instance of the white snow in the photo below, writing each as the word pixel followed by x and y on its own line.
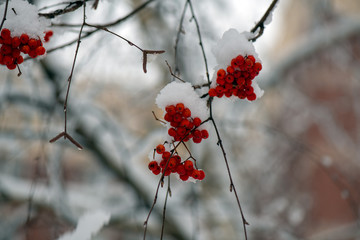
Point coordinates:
pixel 88 225
pixel 231 45
pixel 178 92
pixel 25 20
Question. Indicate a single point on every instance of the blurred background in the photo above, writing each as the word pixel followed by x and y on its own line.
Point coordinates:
pixel 294 153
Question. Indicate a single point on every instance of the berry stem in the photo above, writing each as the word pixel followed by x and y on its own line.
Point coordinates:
pixel 168 192
pixel 5 12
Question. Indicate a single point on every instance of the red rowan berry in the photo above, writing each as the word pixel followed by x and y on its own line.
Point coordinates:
pixel 185 123
pixel 234 63
pixel 212 92
pixel 166 155
pixel 221 73
pixel 32 53
pixel 15 42
pixel 196 121
pixel 170 109
pixel 237 74
pixel 153 165
pixel 220 81
pixel 201 175
pixel 251 58
pixel 172 163
pixel 228 86
pixel 172 132
pixel 197 134
pixel 5 33
pixel 33 43
pixel 230 69
pixel 240 81
pixel 195 174
pixel 5 49
pixel 178 159
pixel 174 124
pixel 19 59
pixel 257 66
pixel 204 134
pixel 239 60
pixel 15 52
pixel 251 97
pixel 177 117
pixel 197 139
pixel 163 163
pixel 180 169
pixel 249 90
pixel 160 149
pixel 228 93
pixel 7 41
pixel 157 170
pixel 7 60
pixel 24 38
pixel 241 94
pixel 186 113
pixel 168 117
pixel 248 63
pixel 229 78
pixel 188 165
pixel 184 177
pixel 167 172
pixel 181 131
pixel 219 89
pixel 180 107
pixel 40 50
pixel 11 66
pixel 25 49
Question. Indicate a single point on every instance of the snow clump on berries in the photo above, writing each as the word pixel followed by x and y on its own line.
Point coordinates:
pixel 22 17
pixel 176 92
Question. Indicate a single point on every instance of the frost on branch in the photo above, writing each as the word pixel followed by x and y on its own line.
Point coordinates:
pixel 176 92
pixel 238 65
pixel 88 225
pixel 22 17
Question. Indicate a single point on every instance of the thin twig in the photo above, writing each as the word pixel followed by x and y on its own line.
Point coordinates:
pixel 261 23
pixel 180 30
pixel 5 12
pixel 173 74
pixel 168 192
pixel 200 41
pixel 64 133
pixel 232 186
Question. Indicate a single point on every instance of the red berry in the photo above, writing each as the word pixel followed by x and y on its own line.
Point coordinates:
pixel 185 123
pixel 252 58
pixel 15 52
pixel 251 97
pixel 40 50
pixel 221 73
pixel 160 149
pixel 195 174
pixel 201 175
pixel 170 109
pixel 234 63
pixel 212 92
pixel 172 132
pixel 177 117
pixel 249 63
pixel 19 59
pixel 188 165
pixel 180 107
pixel 49 33
pixel 240 81
pixel 153 165
pixel 249 90
pixel 166 155
pixel 24 38
pixel 180 169
pixel 156 171
pixel 204 134
pixel 257 66
pixel 11 66
pixel 15 42
pixel 168 117
pixel 197 139
pixel 7 60
pixel 184 177
pixel 230 69
pixel 5 33
pixel 240 60
pixel 229 78
pixel 5 49
pixel 25 49
pixel 181 131
pixel 33 43
pixel 172 163
pixel 32 53
pixel 220 81
pixel 186 113
pixel 219 89
pixel 196 121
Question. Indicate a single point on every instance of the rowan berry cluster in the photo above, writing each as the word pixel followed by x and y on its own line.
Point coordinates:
pixel 183 126
pixel 236 80
pixel 11 47
pixel 172 163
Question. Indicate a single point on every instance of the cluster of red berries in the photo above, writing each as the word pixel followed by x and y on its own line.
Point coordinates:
pixel 171 163
pixel 12 47
pixel 237 79
pixel 183 126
